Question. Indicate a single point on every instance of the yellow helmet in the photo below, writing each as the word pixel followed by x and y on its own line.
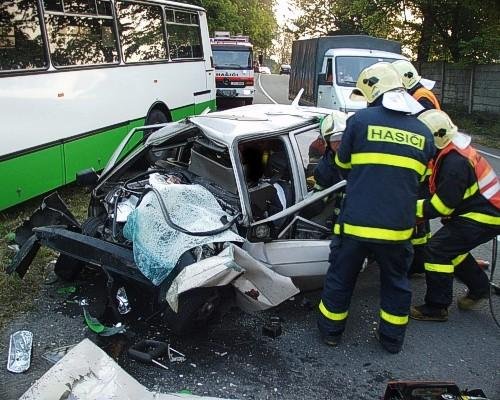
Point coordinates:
pixel 409 74
pixel 333 125
pixel 375 80
pixel 441 126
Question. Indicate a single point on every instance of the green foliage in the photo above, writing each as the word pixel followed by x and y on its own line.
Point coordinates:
pixel 254 18
pixel 462 31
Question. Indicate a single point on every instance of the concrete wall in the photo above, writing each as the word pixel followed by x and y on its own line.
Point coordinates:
pixel 455 89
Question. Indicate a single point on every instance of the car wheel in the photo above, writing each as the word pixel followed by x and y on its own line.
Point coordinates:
pixel 248 101
pixel 195 309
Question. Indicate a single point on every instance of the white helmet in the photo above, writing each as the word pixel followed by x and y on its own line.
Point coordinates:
pixel 409 74
pixel 333 126
pixel 376 80
pixel 441 126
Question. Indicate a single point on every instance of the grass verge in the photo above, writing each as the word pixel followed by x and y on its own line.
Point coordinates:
pixel 483 127
pixel 18 295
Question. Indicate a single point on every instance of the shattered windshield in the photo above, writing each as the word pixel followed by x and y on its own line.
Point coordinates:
pixel 348 68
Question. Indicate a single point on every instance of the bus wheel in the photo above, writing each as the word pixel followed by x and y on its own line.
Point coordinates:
pixel 156 116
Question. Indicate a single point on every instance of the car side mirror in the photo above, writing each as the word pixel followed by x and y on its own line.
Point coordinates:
pixel 87 177
pixel 325 80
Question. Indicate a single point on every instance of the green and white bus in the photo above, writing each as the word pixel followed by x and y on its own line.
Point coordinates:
pixel 77 75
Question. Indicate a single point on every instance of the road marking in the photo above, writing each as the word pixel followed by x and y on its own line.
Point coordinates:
pixel 263 91
pixel 489 154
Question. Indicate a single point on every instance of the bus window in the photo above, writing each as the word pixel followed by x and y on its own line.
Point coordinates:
pixel 81 40
pixel 21 44
pixel 184 37
pixel 100 7
pixel 141 32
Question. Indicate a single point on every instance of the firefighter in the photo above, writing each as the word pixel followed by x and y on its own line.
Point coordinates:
pixel 413 83
pixel 326 173
pixel 466 192
pixel 384 150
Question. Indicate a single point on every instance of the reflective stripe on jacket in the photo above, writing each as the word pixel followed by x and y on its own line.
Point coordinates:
pixel 487 180
pixel 386 153
pixel 464 185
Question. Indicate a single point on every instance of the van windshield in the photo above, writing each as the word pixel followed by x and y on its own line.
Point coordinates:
pixel 348 68
pixel 232 59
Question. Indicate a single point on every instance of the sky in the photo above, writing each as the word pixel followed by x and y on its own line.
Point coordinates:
pixel 283 11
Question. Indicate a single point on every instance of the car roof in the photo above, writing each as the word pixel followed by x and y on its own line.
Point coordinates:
pixel 225 127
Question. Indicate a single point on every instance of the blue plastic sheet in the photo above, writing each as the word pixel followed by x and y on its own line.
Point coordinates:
pixel 157 247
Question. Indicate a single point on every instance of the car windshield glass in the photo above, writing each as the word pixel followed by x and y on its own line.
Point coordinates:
pixel 233 59
pixel 348 68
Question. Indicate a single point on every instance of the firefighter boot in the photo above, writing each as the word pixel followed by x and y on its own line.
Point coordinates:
pixel 389 344
pixel 471 301
pixel 426 312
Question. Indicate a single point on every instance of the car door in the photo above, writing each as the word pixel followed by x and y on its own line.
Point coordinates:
pixel 299 248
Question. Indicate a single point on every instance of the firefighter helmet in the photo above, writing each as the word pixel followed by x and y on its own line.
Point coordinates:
pixel 333 126
pixel 376 80
pixel 441 126
pixel 408 73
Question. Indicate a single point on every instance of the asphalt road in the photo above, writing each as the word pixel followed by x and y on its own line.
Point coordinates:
pixel 232 358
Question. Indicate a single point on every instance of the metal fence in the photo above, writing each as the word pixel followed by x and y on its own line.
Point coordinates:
pixel 471 88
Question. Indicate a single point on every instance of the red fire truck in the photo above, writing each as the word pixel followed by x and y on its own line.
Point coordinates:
pixel 233 60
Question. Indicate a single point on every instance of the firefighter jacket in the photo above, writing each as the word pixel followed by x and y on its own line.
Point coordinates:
pixel 326 173
pixel 425 97
pixel 464 185
pixel 386 153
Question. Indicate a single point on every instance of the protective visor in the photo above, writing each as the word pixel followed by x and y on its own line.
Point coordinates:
pixel 400 100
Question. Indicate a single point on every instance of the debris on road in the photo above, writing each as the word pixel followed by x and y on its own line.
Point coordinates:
pixel 123 304
pixel 66 290
pixel 148 351
pixel 57 354
pixel 87 372
pixel 175 356
pixel 20 345
pixel 97 327
pixel 273 328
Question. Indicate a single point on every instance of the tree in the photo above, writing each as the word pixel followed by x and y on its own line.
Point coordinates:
pixel 254 18
pixel 458 30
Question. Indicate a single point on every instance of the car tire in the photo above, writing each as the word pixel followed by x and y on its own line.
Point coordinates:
pixel 195 309
pixel 248 101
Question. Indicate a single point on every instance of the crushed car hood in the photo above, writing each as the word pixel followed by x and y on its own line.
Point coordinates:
pixel 257 287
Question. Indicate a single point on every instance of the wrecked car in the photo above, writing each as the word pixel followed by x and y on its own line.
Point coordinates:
pixel 212 207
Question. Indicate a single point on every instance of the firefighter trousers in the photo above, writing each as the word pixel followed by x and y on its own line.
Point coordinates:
pixel 346 258
pixel 447 255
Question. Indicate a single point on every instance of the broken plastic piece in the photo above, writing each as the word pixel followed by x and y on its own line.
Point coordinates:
pixel 93 323
pixel 147 350
pixel 13 247
pixel 66 290
pixel 175 356
pixel 20 346
pixel 123 304
pixel 273 328
pixel 96 326
pixel 56 354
